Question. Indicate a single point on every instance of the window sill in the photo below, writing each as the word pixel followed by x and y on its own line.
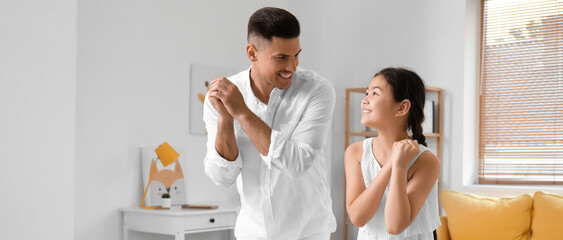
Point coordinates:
pixel 509 190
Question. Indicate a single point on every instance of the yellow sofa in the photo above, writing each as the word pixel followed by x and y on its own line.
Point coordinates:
pixel 535 216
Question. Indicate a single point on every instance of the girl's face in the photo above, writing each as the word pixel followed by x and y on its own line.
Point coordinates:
pixel 378 106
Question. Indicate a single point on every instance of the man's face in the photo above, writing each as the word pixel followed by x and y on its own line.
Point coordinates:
pixel 276 62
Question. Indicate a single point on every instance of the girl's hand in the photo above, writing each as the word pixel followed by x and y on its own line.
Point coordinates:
pixel 403 152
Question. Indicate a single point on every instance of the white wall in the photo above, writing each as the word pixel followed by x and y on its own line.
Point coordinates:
pixel 37 119
pixel 464 171
pixel 131 61
pixel 427 36
pixel 333 28
pixel 358 38
pixel 133 87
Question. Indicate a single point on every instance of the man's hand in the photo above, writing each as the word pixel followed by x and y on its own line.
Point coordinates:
pixel 229 96
pixel 220 107
pixel 403 152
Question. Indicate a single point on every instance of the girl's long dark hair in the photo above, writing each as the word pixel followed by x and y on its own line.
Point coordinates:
pixel 406 84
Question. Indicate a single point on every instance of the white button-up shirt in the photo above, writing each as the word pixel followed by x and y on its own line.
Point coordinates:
pixel 284 195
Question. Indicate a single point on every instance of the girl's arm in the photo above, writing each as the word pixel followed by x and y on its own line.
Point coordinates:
pixel 405 198
pixel 362 203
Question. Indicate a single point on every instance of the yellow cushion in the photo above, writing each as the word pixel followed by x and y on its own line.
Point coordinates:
pixel 547 221
pixel 479 217
pixel 442 231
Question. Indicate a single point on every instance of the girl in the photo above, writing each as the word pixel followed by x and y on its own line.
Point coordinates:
pixel 392 179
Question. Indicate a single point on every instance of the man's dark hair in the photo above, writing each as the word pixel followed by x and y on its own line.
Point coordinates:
pixel 271 22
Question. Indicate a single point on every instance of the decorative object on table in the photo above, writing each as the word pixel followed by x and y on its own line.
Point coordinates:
pixel 166 201
pixel 192 206
pixel 200 78
pixel 162 174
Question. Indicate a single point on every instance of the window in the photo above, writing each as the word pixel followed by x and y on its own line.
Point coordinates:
pixel 521 92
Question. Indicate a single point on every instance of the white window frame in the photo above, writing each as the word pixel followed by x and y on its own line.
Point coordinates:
pixel 464 173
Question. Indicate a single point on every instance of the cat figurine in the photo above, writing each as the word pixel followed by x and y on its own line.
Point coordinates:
pixel 167 181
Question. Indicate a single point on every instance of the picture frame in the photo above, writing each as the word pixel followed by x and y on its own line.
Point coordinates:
pixel 159 178
pixel 201 76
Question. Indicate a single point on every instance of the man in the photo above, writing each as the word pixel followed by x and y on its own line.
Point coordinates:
pixel 266 127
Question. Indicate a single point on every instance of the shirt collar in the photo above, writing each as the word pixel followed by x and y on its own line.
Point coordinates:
pixel 274 94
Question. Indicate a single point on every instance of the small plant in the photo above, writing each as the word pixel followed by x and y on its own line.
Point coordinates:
pixel 165 195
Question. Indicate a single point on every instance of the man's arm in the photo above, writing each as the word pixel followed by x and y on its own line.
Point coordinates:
pixel 222 162
pixel 226 142
pixel 257 130
pixel 294 148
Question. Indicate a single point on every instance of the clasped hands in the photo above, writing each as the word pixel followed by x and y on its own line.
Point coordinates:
pixel 226 99
pixel 403 152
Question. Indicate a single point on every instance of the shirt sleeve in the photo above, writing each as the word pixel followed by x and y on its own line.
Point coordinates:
pixel 221 171
pixel 295 147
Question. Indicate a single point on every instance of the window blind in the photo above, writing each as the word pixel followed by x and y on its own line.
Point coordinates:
pixel 521 92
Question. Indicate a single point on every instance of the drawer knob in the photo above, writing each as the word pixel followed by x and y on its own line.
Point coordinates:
pixel 212 220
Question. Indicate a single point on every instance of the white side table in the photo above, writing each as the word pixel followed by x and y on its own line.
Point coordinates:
pixel 180 222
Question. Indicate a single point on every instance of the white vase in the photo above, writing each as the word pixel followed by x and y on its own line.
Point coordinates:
pixel 166 202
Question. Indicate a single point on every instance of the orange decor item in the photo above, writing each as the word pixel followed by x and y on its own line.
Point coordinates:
pixel 166 154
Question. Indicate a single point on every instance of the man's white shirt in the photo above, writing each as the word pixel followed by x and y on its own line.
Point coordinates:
pixel 284 195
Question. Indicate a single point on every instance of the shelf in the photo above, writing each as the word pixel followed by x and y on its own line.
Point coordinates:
pixel 432 135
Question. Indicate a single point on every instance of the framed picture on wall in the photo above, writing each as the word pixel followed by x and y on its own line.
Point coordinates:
pixel 200 78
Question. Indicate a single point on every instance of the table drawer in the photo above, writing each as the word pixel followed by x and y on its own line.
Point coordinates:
pixel 209 221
